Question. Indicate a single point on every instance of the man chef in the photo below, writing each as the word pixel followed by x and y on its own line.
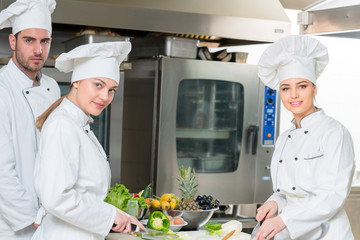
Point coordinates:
pixel 24 94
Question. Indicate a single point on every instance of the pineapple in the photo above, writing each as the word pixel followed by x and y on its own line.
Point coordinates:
pixel 188 188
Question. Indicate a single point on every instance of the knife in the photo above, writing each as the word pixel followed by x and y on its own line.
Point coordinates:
pixel 256 228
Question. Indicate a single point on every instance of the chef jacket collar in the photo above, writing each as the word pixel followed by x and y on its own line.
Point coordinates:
pixel 22 78
pixel 307 121
pixel 77 114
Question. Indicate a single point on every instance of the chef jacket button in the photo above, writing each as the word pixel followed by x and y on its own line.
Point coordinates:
pixel 306 132
pixel 278 190
pixel 293 188
pixel 296 158
pixel 86 131
pixel 27 92
pixel 280 161
pixel 48 89
pixel 289 136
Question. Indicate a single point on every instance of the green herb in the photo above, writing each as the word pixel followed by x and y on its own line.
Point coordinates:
pixel 212 227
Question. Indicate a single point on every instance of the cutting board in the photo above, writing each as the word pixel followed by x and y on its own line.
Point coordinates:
pixel 120 236
pixel 191 235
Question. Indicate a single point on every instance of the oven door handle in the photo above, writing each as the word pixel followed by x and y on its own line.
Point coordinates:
pixel 251 139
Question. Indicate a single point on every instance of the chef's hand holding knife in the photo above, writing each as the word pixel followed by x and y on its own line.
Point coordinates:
pixel 123 222
pixel 271 225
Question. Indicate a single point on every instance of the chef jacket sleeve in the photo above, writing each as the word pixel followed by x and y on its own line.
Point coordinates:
pixel 56 175
pixel 16 206
pixel 280 199
pixel 333 177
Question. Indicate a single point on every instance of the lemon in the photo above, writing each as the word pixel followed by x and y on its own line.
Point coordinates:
pixel 172 203
pixel 155 203
pixel 164 205
pixel 165 197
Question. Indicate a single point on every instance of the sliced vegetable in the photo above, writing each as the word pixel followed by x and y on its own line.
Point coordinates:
pixel 231 225
pixel 158 221
pixel 212 227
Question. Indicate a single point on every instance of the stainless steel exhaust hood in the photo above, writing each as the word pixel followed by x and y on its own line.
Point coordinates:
pixel 331 18
pixel 253 20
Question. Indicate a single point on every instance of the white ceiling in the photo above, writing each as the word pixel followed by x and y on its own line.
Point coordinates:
pixel 297 4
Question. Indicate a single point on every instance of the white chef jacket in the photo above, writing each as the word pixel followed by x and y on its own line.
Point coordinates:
pixel 72 178
pixel 312 169
pixel 20 105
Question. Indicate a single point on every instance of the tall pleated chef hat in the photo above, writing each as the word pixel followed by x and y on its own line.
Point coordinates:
pixel 94 60
pixel 293 56
pixel 25 14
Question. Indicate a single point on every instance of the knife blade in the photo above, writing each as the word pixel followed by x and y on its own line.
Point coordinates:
pixel 256 228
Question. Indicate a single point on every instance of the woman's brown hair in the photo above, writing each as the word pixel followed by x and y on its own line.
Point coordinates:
pixel 42 118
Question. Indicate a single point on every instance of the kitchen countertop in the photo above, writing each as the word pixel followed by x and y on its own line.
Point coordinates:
pixel 190 235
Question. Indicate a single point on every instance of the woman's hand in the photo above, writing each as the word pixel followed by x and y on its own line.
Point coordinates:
pixel 268 209
pixel 270 228
pixel 123 222
pixel 35 225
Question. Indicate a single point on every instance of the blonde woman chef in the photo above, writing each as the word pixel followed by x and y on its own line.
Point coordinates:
pixel 313 161
pixel 72 174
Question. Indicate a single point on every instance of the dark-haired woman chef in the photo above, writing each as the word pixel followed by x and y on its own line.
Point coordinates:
pixel 313 162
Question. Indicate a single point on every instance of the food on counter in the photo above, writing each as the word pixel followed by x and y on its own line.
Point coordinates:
pixel 207 202
pixel 212 227
pixel 158 221
pixel 165 205
pixel 178 221
pixel 165 202
pixel 146 193
pixel 224 229
pixel 155 203
pixel 171 219
pixel 227 236
pixel 119 197
pixel 188 187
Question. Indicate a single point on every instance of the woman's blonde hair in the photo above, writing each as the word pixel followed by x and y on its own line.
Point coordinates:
pixel 42 118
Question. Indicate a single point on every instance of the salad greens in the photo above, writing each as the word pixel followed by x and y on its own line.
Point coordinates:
pixel 212 227
pixel 119 197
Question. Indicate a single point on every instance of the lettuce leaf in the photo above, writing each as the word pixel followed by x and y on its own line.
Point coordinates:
pixel 118 196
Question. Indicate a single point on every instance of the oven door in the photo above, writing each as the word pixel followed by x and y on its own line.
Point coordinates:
pixel 208 119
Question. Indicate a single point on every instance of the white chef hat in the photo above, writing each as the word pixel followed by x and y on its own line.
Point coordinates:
pixel 94 60
pixel 24 14
pixel 294 56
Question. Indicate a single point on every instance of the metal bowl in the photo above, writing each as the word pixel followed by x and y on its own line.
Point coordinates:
pixel 195 219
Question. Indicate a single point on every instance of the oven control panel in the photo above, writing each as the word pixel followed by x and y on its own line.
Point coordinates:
pixel 269 118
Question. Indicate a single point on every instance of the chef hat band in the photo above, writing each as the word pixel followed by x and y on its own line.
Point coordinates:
pixel 298 69
pixel 25 14
pixel 293 56
pixel 89 68
pixel 94 60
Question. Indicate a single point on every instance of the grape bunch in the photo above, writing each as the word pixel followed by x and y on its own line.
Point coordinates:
pixel 207 202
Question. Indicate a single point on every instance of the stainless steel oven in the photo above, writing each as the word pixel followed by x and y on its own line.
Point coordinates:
pixel 214 116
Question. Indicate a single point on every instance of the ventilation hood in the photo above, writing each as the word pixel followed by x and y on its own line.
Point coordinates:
pixel 331 18
pixel 253 20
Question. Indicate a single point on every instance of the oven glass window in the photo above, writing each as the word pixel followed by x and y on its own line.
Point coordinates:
pixel 209 121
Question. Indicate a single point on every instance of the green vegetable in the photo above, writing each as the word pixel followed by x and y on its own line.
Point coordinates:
pixel 158 221
pixel 119 197
pixel 147 191
pixel 212 227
